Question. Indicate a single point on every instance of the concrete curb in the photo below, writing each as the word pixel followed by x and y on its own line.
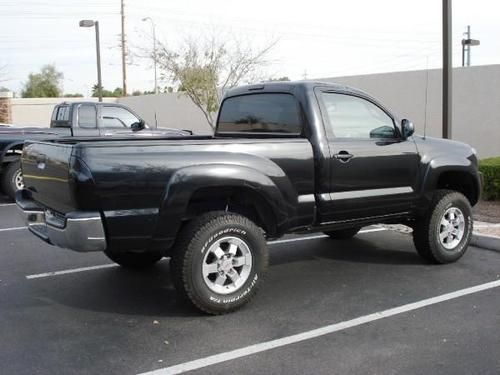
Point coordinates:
pixel 486 242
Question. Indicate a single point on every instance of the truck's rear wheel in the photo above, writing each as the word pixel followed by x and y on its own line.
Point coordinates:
pixel 342 234
pixel 444 234
pixel 219 260
pixel 12 179
pixel 134 260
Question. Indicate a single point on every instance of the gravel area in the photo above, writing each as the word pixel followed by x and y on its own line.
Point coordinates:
pixel 488 211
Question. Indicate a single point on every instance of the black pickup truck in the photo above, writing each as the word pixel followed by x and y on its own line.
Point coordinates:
pixel 74 119
pixel 285 158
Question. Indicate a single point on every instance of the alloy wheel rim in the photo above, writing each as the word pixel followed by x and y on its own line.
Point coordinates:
pixel 451 228
pixel 18 180
pixel 227 265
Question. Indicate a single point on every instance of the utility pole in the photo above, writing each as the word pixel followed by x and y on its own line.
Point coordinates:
pixel 124 50
pixel 154 50
pixel 447 69
pixel 466 45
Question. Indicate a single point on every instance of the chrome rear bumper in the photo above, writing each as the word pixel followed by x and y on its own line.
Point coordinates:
pixel 79 230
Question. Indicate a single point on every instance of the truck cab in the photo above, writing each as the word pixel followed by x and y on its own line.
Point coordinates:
pixel 95 119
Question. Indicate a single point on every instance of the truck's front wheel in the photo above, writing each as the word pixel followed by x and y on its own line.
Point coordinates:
pixel 444 234
pixel 134 260
pixel 219 261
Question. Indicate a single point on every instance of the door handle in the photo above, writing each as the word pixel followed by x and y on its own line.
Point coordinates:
pixel 343 156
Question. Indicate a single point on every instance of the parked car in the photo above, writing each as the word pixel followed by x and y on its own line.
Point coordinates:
pixel 285 158
pixel 86 119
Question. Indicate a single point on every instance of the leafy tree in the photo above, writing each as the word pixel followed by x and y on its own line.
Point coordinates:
pixel 204 69
pixel 76 95
pixel 281 79
pixel 139 92
pixel 116 93
pixel 46 84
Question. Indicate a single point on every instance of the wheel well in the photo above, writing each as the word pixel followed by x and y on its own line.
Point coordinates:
pixel 13 153
pixel 241 200
pixel 462 182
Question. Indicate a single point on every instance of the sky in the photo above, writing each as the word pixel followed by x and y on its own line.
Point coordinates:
pixel 314 38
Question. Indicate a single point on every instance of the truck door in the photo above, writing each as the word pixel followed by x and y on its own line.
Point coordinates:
pixel 373 170
pixel 84 122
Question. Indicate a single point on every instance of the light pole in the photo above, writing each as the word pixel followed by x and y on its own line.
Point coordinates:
pixel 154 50
pixel 90 23
pixel 447 69
pixel 466 45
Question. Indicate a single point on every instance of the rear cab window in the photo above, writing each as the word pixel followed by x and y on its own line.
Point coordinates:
pixel 60 116
pixel 260 114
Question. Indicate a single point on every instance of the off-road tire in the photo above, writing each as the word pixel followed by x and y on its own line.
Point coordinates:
pixel 426 229
pixel 342 234
pixel 133 260
pixel 190 251
pixel 9 177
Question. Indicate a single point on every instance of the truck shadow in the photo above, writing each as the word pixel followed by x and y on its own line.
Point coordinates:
pixel 151 293
pixel 355 250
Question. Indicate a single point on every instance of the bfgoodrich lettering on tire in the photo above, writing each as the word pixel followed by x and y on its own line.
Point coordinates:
pixel 444 234
pixel 219 261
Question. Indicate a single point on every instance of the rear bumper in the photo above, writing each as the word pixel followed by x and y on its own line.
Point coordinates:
pixel 80 231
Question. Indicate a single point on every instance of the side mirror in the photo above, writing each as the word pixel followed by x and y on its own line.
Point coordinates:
pixel 407 128
pixel 383 132
pixel 137 126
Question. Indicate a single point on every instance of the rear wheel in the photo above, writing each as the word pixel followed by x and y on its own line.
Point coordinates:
pixel 219 261
pixel 444 234
pixel 134 260
pixel 12 179
pixel 342 234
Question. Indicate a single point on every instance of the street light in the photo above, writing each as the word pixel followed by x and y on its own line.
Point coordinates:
pixel 467 43
pixel 154 50
pixel 90 23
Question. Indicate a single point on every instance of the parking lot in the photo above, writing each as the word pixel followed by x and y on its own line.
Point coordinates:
pixel 67 313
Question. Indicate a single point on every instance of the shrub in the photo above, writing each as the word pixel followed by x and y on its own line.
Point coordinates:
pixel 491 171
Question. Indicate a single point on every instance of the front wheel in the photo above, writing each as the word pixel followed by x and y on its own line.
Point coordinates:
pixel 444 234
pixel 134 260
pixel 219 261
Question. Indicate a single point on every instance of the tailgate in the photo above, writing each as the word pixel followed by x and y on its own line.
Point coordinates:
pixel 46 167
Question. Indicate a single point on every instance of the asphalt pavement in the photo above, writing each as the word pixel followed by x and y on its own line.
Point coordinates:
pixel 67 313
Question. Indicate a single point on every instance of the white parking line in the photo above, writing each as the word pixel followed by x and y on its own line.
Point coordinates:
pixel 72 270
pixel 14 228
pixel 7 204
pixel 308 335
pixel 108 265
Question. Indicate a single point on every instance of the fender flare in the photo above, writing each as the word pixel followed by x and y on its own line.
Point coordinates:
pixel 9 147
pixel 443 164
pixel 186 181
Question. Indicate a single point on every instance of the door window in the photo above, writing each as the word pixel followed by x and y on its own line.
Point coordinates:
pixel 87 116
pixel 117 117
pixel 354 117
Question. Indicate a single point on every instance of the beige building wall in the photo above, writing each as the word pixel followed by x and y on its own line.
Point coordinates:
pixel 476 102
pixel 172 110
pixel 37 111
